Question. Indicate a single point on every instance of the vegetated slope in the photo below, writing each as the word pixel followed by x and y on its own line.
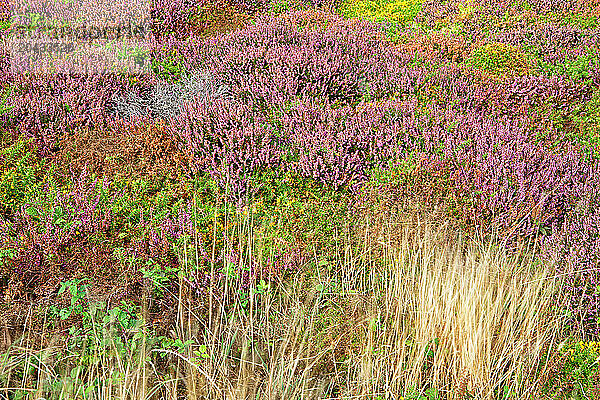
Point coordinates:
pixel 485 111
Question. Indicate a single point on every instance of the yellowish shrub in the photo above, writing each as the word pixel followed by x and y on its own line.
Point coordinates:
pixel 394 11
pixel 499 59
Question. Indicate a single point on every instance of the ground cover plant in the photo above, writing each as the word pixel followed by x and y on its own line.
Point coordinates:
pixel 309 199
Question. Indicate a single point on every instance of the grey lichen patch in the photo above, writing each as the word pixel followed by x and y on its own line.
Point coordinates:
pixel 166 100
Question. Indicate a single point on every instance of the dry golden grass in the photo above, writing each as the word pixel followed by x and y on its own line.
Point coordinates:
pixel 354 331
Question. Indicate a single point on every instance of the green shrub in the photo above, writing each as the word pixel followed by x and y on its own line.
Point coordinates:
pixel 6 93
pixel 308 210
pixel 169 67
pixel 20 171
pixel 579 372
pixel 587 122
pixel 277 7
pixel 581 20
pixel 578 69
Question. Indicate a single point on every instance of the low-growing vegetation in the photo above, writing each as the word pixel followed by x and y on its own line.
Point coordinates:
pixel 308 199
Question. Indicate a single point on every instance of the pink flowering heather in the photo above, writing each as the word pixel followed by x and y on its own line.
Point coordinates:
pixel 331 101
pixel 275 61
pixel 574 246
pixel 229 142
pixel 48 107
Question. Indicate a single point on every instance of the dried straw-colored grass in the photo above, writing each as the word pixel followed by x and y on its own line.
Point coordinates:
pixel 393 298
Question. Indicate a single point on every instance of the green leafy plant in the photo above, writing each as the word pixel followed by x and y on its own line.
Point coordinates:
pixel 279 6
pixel 177 345
pixel 200 354
pixel 586 132
pixel 20 176
pixel 98 330
pixel 97 336
pixel 577 69
pixel 5 24
pixel 77 292
pixel 428 394
pixel 262 288
pixel 159 275
pixel 507 393
pixel 169 67
pixel 580 371
pixel 6 254
pixel 5 95
pixel 582 20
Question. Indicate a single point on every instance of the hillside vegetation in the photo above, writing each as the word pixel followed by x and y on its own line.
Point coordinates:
pixel 344 199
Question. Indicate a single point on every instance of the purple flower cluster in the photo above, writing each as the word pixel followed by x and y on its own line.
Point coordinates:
pixel 575 247
pixel 172 18
pixel 229 142
pixel 516 183
pixel 274 61
pixel 332 105
pixel 47 108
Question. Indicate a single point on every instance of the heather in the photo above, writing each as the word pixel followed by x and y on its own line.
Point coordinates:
pixel 304 199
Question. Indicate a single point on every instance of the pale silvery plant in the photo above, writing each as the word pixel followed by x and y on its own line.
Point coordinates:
pixel 165 100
